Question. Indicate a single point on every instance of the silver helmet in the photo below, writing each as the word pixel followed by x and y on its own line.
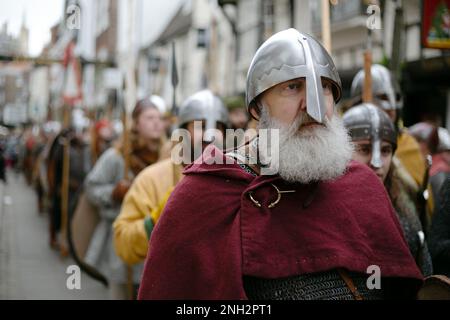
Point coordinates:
pixel 204 105
pixel 426 133
pixel 383 84
pixel 367 122
pixel 444 140
pixel 159 103
pixel 288 55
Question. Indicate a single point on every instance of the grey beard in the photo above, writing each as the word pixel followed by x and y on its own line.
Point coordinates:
pixel 311 154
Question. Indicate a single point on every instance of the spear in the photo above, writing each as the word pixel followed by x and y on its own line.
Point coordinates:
pixel 130 88
pixel 65 194
pixel 367 88
pixel 174 80
pixel 326 32
pixel 130 102
pixel 94 137
pixel 66 156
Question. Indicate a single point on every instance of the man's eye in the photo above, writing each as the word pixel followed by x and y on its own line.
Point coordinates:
pixel 292 88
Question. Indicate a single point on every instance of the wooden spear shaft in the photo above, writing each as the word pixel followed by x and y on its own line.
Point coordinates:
pixel 65 184
pixel 367 89
pixel 130 101
pixel 126 146
pixel 126 150
pixel 65 196
pixel 326 32
pixel 94 137
pixel 126 176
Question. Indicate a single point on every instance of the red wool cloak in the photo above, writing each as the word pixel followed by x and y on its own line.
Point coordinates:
pixel 211 233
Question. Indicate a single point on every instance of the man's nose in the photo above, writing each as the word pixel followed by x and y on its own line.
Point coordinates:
pixel 302 104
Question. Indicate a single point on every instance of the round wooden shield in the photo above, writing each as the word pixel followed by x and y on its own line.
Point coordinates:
pixel 81 229
pixel 436 287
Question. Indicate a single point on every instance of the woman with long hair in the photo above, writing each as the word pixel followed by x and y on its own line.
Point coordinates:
pixel 107 184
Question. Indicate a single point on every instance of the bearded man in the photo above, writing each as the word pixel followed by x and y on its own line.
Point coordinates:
pixel 311 230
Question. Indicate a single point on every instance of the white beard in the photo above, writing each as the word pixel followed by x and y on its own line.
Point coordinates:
pixel 312 154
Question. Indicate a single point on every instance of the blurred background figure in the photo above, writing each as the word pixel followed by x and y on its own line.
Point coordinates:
pixel 49 131
pixel 38 180
pixel 30 139
pixel 440 232
pixel 151 189
pixel 441 158
pixel 3 144
pixel 164 111
pixel 435 143
pixel 105 136
pixel 79 165
pixel 12 150
pixel 427 136
pixel 106 186
pixel 239 119
pixel 237 110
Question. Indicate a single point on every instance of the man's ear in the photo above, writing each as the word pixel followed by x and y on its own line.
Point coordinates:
pixel 254 111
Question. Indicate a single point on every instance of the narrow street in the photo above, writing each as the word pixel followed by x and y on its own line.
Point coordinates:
pixel 29 269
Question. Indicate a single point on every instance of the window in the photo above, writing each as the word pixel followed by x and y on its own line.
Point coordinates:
pixel 202 38
pixel 268 18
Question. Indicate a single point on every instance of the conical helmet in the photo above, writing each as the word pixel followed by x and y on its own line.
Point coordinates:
pixel 383 84
pixel 288 55
pixel 203 105
pixel 368 122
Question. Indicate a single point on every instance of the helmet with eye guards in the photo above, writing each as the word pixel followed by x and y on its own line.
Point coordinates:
pixel 288 55
pixel 367 122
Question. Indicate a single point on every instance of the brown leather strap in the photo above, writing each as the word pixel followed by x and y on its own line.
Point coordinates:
pixel 349 282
